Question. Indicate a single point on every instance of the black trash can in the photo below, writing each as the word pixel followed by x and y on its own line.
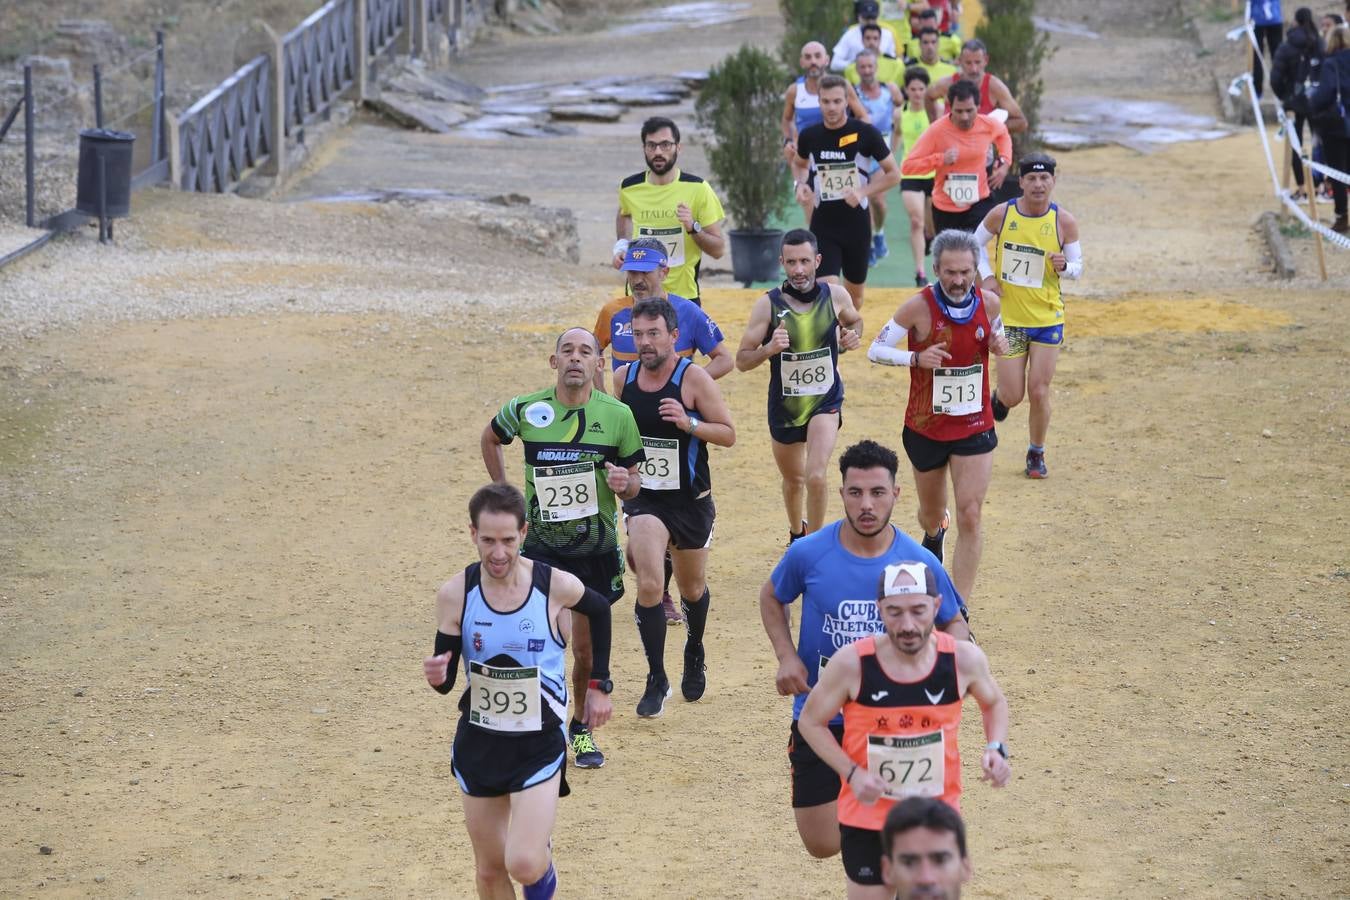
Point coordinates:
pixel 115 149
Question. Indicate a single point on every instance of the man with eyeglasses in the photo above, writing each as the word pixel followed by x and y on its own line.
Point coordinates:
pixel 676 208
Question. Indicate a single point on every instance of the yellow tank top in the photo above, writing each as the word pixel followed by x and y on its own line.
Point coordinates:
pixel 913 123
pixel 1030 284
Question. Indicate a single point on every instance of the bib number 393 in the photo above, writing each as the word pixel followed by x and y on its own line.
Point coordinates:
pixel 963 189
pixel 661 469
pixel 807 374
pixel 505 699
pixel 566 492
pixel 957 392
pixel 910 766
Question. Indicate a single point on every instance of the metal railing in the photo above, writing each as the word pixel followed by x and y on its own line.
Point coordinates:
pixel 319 62
pixel 227 132
pixel 384 23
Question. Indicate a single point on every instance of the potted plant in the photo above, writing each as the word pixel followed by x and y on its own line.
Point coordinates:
pixel 738 110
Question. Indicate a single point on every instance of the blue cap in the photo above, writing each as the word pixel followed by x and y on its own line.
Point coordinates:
pixel 643 259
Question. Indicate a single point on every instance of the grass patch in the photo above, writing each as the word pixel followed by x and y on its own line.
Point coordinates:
pixel 1293 228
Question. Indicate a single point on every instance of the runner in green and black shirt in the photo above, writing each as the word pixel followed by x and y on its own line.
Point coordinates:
pixel 582 450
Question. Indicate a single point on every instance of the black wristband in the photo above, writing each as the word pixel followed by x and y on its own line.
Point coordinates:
pixel 454 645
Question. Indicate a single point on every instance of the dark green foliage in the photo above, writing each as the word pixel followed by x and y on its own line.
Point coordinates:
pixel 1016 52
pixel 738 113
pixel 812 20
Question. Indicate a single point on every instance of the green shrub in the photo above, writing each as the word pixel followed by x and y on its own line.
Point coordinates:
pixel 1016 52
pixel 812 20
pixel 738 112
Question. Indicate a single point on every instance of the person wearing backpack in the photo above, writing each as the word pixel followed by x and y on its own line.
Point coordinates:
pixel 1295 67
pixel 1329 110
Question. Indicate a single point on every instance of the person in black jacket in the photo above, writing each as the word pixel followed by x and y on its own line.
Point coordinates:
pixel 1328 108
pixel 1296 67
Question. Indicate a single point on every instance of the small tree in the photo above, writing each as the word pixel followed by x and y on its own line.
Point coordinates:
pixel 811 20
pixel 1016 51
pixel 738 112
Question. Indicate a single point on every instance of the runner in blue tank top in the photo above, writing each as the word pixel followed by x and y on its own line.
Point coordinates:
pixel 836 572
pixel 509 619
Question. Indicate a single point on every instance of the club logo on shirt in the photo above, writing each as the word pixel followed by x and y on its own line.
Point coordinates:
pixel 848 139
pixel 855 619
pixel 536 645
pixel 1012 226
pixel 478 641
pixel 526 625
pixel 979 332
pixel 539 414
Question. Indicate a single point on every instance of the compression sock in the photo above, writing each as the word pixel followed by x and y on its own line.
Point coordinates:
pixel 670 571
pixel 651 623
pixel 545 887
pixel 696 616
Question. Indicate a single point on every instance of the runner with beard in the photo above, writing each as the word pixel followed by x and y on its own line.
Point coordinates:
pixel 834 571
pixel 900 693
pixel 677 208
pixel 800 328
pixel 951 326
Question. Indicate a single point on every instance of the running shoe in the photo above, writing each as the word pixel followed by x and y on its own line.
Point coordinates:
pixel 797 535
pixel 588 755
pixel 653 701
pixel 1000 411
pixel 1340 226
pixel 933 543
pixel 920 280
pixel 872 255
pixel 695 680
pixel 672 612
pixel 1036 464
pixel 879 248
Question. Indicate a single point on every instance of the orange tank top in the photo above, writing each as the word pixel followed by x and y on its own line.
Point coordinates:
pixel 905 732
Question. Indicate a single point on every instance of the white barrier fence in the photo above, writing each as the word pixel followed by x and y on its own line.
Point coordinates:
pixel 1289 134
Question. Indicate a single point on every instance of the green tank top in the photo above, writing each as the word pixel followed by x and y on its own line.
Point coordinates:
pixel 804 379
pixel 571 510
pixel 913 124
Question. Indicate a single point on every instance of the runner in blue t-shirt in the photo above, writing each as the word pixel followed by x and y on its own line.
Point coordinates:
pixel 836 571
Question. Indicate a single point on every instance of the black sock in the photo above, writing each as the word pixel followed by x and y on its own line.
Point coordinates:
pixel 670 570
pixel 696 616
pixel 651 622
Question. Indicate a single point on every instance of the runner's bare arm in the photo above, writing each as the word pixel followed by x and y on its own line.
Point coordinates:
pixel 1003 99
pixel 791 677
pixel 998 339
pixel 889 178
pixel 710 239
pixel 986 232
pixel 493 457
pixel 850 320
pixel 720 361
pixel 620 375
pixel 623 230
pixel 701 394
pixel 1070 262
pixel 752 350
pixel 441 668
pixel 936 91
pixel 855 105
pixel 788 124
pixel 834 688
pixel 973 671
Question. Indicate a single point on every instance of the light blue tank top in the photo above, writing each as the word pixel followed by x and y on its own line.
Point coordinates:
pixel 521 638
pixel 881 109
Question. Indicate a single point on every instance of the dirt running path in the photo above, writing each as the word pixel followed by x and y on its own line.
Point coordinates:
pixel 224 521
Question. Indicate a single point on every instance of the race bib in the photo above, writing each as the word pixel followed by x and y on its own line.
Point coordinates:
pixel 807 374
pixel 672 237
pixel 566 492
pixel 963 189
pixel 835 178
pixel 910 766
pixel 956 392
pixel 661 469
pixel 505 699
pixel 1023 265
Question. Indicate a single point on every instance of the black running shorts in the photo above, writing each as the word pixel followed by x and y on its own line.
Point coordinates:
pixel 796 434
pixel 860 849
pixel 690 522
pixel 602 573
pixel 926 454
pixel 494 765
pixel 844 242
pixel 814 783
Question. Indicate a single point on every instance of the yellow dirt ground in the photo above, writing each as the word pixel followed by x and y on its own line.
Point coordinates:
pixel 222 537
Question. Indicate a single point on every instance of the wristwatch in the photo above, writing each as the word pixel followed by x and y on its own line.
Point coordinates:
pixel 696 228
pixel 693 423
pixel 603 685
pixel 1001 747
